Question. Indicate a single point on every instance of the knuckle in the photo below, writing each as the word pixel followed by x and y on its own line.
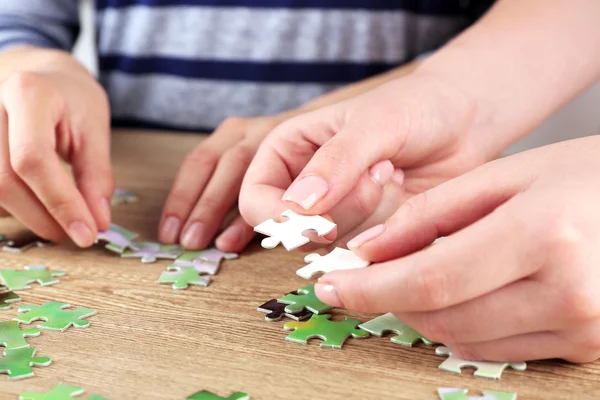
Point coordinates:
pixel 431 289
pixel 60 208
pixel 241 153
pixel 200 158
pixel 26 160
pixel 581 304
pixel 210 206
pixel 561 235
pixel 416 204
pixel 21 82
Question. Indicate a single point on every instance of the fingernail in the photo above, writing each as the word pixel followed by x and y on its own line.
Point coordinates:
pixel 80 234
pixel 398 176
pixel 230 236
pixel 106 208
pixel 382 172
pixel 170 230
pixel 328 295
pixel 194 235
pixel 307 191
pixel 366 236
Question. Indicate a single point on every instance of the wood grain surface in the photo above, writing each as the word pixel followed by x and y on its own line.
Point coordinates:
pixel 151 342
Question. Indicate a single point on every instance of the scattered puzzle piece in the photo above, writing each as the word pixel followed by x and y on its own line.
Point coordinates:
pixel 13 337
pixel 204 261
pixel 289 232
pixel 56 316
pixel 60 392
pixel 17 363
pixel 338 259
pixel 485 369
pixel 22 241
pixel 461 394
pixel 333 333
pixel 206 395
pixel 405 335
pixel 276 310
pixel 305 299
pixel 121 196
pixel 7 298
pixel 181 277
pixel 20 280
pixel 118 239
pixel 149 252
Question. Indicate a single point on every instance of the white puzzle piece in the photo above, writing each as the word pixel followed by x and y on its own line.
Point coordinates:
pixel 484 369
pixel 338 259
pixel 289 232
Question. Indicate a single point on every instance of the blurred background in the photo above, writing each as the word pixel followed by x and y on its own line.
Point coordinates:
pixel 579 118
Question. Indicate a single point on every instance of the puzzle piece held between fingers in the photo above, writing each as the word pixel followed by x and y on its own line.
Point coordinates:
pixel 276 311
pixel 118 239
pixel 206 395
pixel 60 392
pixel 461 394
pixel 289 233
pixel 20 280
pixel 304 299
pixel 405 335
pixel 333 333
pixel 56 316
pixel 149 252
pixel 338 259
pixel 484 369
pixel 181 277
pixel 17 363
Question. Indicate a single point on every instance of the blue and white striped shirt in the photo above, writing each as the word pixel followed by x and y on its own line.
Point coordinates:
pixel 189 64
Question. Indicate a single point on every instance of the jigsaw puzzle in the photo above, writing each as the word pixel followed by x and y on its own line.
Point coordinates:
pixel 289 233
pixel 333 333
pixel 22 241
pixel 20 280
pixel 60 392
pixel 56 316
pixel 117 239
pixel 7 298
pixel 121 196
pixel 276 310
pixel 461 394
pixel 17 363
pixel 13 337
pixel 484 369
pixel 206 395
pixel 149 252
pixel 405 335
pixel 304 299
pixel 181 277
pixel 338 259
pixel 204 261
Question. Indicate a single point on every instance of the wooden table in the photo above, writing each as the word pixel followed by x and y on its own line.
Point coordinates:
pixel 151 342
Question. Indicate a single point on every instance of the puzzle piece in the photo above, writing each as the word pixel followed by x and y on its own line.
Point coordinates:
pixel 289 232
pixel 181 277
pixel 22 241
pixel 485 369
pixel 56 316
pixel 405 335
pixel 13 337
pixel 276 311
pixel 461 394
pixel 20 280
pixel 338 259
pixel 333 333
pixel 118 239
pixel 149 252
pixel 17 363
pixel 60 392
pixel 305 299
pixel 121 196
pixel 6 298
pixel 204 261
pixel 206 395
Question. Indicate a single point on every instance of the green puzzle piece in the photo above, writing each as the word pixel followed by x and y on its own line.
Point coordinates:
pixel 55 315
pixel 333 333
pixel 60 392
pixel 305 299
pixel 149 252
pixel 17 363
pixel 206 395
pixel 20 280
pixel 12 337
pixel 181 277
pixel 406 336
pixel 118 238
pixel 461 394
pixel 6 298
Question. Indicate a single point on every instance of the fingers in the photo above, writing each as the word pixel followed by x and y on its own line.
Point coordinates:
pixel 236 236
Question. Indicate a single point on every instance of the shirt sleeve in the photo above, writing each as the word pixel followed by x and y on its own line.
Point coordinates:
pixel 42 23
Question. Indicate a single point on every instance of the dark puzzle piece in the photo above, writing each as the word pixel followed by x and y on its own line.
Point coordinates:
pixel 22 241
pixel 276 310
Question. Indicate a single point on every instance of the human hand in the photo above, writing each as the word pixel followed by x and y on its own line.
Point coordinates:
pixel 516 277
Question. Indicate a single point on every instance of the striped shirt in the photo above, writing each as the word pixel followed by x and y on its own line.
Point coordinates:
pixel 189 64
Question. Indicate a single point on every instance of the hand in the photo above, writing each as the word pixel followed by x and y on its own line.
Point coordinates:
pixel 416 132
pixel 518 275
pixel 208 183
pixel 48 115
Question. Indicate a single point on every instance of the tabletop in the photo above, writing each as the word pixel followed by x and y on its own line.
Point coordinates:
pixel 149 341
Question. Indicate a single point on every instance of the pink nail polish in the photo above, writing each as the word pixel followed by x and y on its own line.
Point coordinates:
pixel 328 294
pixel 170 230
pixel 193 236
pixel 382 172
pixel 307 191
pixel 366 236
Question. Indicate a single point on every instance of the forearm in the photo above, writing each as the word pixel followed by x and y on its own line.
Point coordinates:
pixel 32 59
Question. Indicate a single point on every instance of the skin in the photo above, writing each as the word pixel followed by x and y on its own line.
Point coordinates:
pixel 518 229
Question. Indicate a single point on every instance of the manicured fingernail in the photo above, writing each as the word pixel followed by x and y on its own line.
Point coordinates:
pixel 170 230
pixel 398 176
pixel 381 172
pixel 307 191
pixel 366 236
pixel 80 234
pixel 230 236
pixel 106 208
pixel 328 295
pixel 192 238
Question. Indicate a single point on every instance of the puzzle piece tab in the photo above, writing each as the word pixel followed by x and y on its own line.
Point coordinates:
pixel 276 310
pixel 484 369
pixel 289 233
pixel 22 241
pixel 7 298
pixel 20 280
pixel 118 239
pixel 338 259
pixel 461 394
pixel 405 335
pixel 17 363
pixel 149 252
pixel 56 316
pixel 60 392
pixel 333 333
pixel 121 196
pixel 181 277
pixel 305 299
pixel 206 395
pixel 13 337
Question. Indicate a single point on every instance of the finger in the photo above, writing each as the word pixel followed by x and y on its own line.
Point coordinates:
pixel 4 213
pixel 236 236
